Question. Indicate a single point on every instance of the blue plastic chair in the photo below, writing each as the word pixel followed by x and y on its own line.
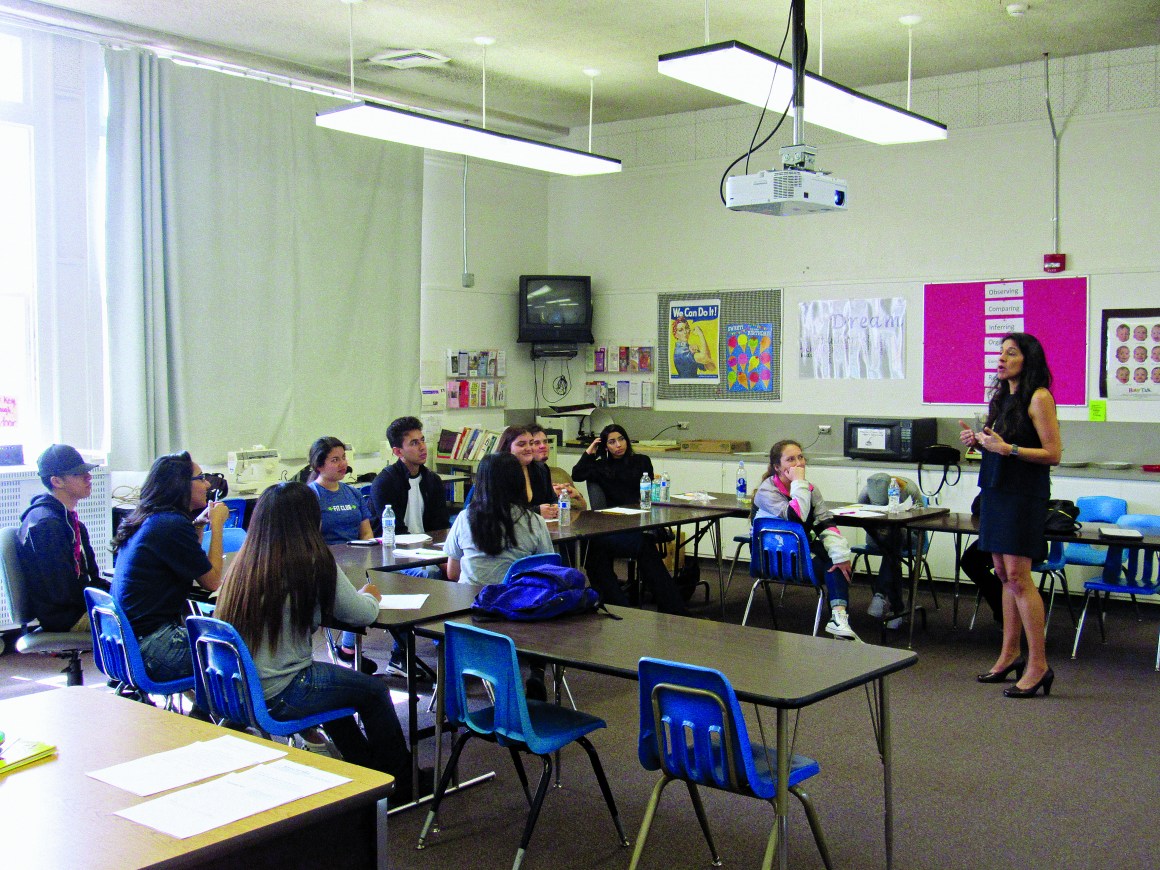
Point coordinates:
pixel 117 654
pixel 692 729
pixel 1052 569
pixel 1094 509
pixel 780 553
pixel 1138 576
pixel 232 539
pixel 227 685
pixel 512 721
pixel 526 563
pixel 237 515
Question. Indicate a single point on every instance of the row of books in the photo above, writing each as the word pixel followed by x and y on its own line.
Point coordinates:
pixel 476 394
pixel 476 363
pixel 469 443
pixel 619 359
pixel 622 394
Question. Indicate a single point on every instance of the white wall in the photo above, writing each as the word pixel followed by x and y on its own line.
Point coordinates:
pixel 975 206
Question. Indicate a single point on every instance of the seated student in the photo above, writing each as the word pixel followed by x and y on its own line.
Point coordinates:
pixel 559 477
pixel 417 497
pixel 785 494
pixel 887 600
pixel 157 557
pixel 611 463
pixel 53 544
pixel 345 515
pixel 279 586
pixel 493 531
pixel 538 489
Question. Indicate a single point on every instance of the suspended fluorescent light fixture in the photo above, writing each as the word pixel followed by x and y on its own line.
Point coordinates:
pixel 743 73
pixel 424 131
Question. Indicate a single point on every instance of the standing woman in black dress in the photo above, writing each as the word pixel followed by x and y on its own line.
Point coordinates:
pixel 1019 444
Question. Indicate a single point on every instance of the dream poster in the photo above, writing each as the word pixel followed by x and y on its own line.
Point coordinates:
pixel 695 331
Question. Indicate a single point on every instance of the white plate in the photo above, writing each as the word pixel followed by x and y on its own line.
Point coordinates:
pixel 1077 463
pixel 411 540
pixel 1114 466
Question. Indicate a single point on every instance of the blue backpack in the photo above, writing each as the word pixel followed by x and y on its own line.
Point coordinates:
pixel 538 593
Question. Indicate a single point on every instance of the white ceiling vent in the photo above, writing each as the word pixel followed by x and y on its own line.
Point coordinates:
pixel 408 58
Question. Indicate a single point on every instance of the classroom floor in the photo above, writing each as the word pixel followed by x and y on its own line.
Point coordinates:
pixel 981 781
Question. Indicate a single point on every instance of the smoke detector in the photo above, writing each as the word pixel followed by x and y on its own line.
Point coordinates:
pixel 408 58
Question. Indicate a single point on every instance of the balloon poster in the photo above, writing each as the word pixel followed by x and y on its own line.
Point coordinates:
pixel 749 357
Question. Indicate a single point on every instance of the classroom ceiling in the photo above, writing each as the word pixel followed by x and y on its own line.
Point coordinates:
pixel 535 76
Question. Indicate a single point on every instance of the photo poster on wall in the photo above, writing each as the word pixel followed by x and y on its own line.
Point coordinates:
pixel 1130 353
pixel 853 338
pixel 749 357
pixel 694 333
pixel 964 324
pixel 741 356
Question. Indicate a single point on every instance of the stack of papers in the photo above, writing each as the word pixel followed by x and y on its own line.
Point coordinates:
pixel 402 602
pixel 420 552
pixel 621 510
pixel 177 767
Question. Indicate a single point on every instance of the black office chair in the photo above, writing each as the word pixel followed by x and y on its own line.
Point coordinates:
pixel 67 645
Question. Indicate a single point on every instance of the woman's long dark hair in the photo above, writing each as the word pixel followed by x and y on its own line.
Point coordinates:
pixel 283 557
pixel 510 434
pixel 167 487
pixel 499 488
pixel 608 430
pixel 319 450
pixel 1007 412
pixel 775 453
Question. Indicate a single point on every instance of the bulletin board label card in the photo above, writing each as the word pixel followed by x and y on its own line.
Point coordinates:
pixel 964 324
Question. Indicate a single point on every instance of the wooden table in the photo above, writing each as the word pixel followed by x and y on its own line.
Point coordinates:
pixel 55 816
pixel 444 599
pixel 770 668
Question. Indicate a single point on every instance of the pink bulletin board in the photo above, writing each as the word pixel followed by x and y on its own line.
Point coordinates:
pixel 964 323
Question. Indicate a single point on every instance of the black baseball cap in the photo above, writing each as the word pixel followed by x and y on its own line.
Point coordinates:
pixel 61 459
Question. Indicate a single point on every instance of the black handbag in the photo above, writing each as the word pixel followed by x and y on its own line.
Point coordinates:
pixel 1062 516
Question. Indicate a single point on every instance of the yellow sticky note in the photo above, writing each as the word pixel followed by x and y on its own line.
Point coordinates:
pixel 1098 411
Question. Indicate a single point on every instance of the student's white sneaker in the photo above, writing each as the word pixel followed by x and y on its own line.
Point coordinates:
pixel 878 605
pixel 839 625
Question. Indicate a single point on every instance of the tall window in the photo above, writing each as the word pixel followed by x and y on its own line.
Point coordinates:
pixel 52 324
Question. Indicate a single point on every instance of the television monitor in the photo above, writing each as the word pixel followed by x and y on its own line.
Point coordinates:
pixel 555 308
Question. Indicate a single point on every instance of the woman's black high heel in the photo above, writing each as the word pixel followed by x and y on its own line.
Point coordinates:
pixel 1001 676
pixel 1046 680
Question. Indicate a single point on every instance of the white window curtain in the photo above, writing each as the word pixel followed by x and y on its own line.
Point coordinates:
pixel 263 274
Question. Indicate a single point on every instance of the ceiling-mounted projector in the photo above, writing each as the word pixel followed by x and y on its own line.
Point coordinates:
pixel 785 192
pixel 797 188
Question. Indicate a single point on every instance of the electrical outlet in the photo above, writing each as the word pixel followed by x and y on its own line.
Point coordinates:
pixel 683 425
pixel 824 429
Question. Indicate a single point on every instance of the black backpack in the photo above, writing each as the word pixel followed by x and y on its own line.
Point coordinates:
pixel 1062 516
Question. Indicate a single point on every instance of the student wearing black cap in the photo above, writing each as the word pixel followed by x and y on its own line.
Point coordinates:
pixel 53 544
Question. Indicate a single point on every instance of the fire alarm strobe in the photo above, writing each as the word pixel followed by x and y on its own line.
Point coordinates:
pixel 1054 262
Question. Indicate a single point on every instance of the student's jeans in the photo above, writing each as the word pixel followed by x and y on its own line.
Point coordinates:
pixel 166 653
pixel 602 551
pixel 322 687
pixel 889 581
pixel 837 586
pixel 348 637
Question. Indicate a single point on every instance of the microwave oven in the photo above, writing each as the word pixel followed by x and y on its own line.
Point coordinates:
pixel 887 438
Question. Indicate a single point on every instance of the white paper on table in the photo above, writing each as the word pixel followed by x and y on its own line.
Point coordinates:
pixel 177 767
pixel 621 510
pixel 696 496
pixel 202 808
pixel 402 602
pixel 420 552
pixel 411 541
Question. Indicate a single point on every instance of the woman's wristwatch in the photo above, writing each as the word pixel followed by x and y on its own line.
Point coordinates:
pixel 1015 450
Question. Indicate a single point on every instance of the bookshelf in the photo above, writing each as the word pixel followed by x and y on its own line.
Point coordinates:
pixel 629 371
pixel 475 378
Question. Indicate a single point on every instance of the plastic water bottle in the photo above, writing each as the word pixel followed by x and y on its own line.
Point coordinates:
pixel 388 528
pixel 742 485
pixel 894 497
pixel 664 486
pixel 645 492
pixel 565 506
pixel 656 489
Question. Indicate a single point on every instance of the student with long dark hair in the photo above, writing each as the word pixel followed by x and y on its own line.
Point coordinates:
pixel 610 463
pixel 498 526
pixel 280 585
pixel 157 557
pixel 1019 443
pixel 539 493
pixel 785 494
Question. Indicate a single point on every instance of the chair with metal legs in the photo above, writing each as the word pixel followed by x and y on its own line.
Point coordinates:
pixel 692 729
pixel 780 553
